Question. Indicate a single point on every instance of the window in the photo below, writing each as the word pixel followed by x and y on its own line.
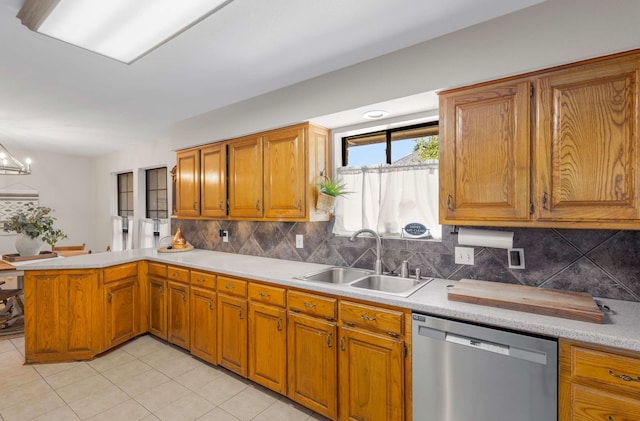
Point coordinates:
pixel 157 193
pixel 125 194
pixel 394 182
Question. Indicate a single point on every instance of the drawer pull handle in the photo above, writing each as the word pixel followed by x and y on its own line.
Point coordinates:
pixel 264 295
pixel 279 325
pixel 309 305
pixel 610 418
pixel 342 347
pixel 160 290
pixel 240 314
pixel 200 280
pixel 624 377
pixel 109 297
pixel 545 199
pixel 174 274
pixel 184 295
pixel 227 286
pixel 349 323
pixel 257 205
pixel 329 344
pixel 367 318
pixel 221 205
pixel 449 204
pixel 210 304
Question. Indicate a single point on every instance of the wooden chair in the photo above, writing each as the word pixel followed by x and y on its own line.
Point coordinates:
pixel 69 250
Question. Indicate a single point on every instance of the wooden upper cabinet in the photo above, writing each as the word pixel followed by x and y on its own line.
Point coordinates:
pixel 284 173
pixel 566 156
pixel 188 183
pixel 213 181
pixel 485 154
pixel 245 177
pixel 587 142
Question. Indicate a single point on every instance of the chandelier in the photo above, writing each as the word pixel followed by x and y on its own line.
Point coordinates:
pixel 9 165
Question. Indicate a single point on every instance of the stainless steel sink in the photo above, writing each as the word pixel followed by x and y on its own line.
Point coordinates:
pixel 335 275
pixel 394 285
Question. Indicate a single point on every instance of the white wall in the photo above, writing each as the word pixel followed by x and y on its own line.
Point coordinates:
pixel 548 34
pixel 136 159
pixel 65 184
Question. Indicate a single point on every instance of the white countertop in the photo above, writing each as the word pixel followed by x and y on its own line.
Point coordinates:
pixel 620 329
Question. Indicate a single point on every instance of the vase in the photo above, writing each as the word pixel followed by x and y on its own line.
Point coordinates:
pixel 325 202
pixel 27 246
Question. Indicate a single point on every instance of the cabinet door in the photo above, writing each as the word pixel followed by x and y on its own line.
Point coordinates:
pixel 120 311
pixel 178 314
pixel 312 363
pixel 213 182
pixel 284 173
pixel 203 324
pixel 245 177
pixel 485 154
pixel 158 307
pixel 62 321
pixel 188 183
pixel 371 379
pixel 268 346
pixel 232 333
pixel 588 142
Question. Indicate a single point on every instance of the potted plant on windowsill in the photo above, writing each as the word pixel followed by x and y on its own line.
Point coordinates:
pixel 34 227
pixel 329 190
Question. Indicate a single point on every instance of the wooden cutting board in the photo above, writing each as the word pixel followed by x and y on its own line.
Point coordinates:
pixel 550 302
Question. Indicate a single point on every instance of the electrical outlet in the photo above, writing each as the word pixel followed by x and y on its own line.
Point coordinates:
pixel 516 258
pixel 464 255
pixel 299 241
pixel 225 236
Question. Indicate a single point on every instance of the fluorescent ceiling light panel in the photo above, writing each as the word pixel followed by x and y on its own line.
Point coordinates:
pixel 124 30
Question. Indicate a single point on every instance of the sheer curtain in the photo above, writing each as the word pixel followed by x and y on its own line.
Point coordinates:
pixel 385 198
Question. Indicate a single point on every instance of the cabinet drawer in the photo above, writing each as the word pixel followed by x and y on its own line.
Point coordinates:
pixel 178 274
pixel 314 305
pixel 605 367
pixel 232 286
pixel 375 318
pixel 203 279
pixel 267 294
pixel 157 269
pixel 115 273
pixel 593 405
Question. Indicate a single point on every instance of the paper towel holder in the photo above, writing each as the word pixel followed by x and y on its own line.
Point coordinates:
pixel 485 238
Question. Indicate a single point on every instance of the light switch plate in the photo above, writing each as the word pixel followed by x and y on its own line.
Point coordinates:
pixel 225 236
pixel 464 255
pixel 299 241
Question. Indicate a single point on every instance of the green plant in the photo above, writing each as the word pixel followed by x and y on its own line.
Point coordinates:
pixel 427 148
pixel 35 222
pixel 333 187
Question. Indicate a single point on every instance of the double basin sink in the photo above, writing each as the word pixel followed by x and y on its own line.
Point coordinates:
pixel 366 279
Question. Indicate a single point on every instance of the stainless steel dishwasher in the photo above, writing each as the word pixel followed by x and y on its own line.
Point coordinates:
pixel 464 372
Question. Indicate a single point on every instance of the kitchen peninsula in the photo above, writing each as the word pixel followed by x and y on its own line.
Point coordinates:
pixel 79 307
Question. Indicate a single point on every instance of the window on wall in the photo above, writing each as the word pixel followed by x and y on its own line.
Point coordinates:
pixel 125 194
pixel 393 179
pixel 157 193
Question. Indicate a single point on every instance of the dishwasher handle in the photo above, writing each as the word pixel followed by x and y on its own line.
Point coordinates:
pixel 534 356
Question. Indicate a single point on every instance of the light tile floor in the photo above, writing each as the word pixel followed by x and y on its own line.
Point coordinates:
pixel 145 379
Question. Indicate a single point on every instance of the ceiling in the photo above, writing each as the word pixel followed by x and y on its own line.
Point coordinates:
pixel 55 96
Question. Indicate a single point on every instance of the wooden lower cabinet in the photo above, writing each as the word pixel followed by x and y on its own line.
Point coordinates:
pixel 598 383
pixel 178 327
pixel 268 346
pixel 371 380
pixel 312 363
pixel 232 333
pixel 63 317
pixel 158 307
pixel 121 311
pixel 121 303
pixel 203 324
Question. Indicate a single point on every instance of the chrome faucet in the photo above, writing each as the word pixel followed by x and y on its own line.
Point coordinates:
pixel 374 234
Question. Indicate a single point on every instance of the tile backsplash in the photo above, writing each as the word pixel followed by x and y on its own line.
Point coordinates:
pixel 605 263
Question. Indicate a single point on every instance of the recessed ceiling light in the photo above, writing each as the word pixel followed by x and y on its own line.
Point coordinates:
pixel 124 30
pixel 375 114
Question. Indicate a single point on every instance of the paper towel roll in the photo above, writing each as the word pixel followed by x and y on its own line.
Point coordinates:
pixel 485 238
